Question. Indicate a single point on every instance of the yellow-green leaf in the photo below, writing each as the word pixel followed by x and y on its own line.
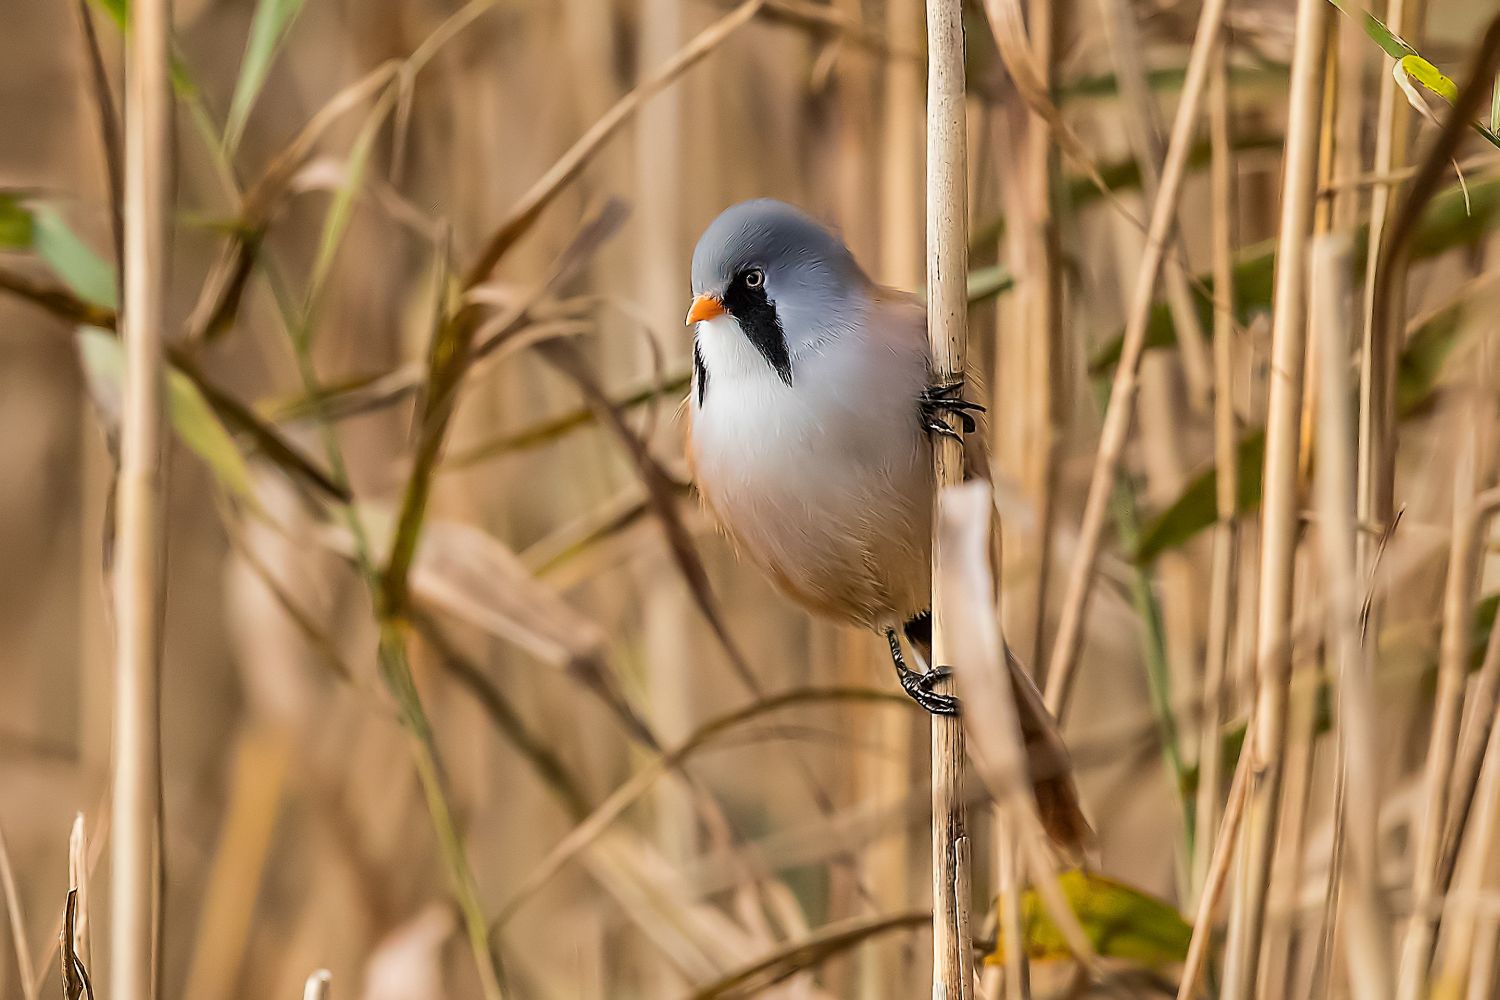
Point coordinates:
pixel 16 228
pixel 1430 76
pixel 1121 923
pixel 191 417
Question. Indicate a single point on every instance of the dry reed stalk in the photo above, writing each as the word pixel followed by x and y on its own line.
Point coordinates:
pixel 1062 665
pixel 1363 920
pixel 1223 565
pixel 1378 350
pixel 319 986
pixel 1482 703
pixel 1279 499
pixel 1010 884
pixel 947 335
pixel 12 895
pixel 1217 875
pixel 261 758
pixel 1470 515
pixel 1464 906
pixel 78 881
pixel 1027 367
pixel 136 763
pixel 1143 130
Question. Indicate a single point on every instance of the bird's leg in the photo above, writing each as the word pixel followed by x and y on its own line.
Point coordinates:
pixel 947 397
pixel 919 686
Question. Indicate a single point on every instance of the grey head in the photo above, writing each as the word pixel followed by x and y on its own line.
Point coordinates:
pixel 788 283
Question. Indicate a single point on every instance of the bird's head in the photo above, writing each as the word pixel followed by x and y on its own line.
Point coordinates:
pixel 768 273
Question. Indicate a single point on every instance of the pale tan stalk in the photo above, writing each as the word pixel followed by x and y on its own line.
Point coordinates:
pixel 78 880
pixel 224 916
pixel 1279 499
pixel 1222 582
pixel 1362 918
pixel 947 334
pixel 1470 515
pixel 1377 370
pixel 1117 419
pixel 1143 130
pixel 136 763
pixel 1217 876
pixel 12 896
pixel 1017 970
pixel 319 986
pixel 1465 904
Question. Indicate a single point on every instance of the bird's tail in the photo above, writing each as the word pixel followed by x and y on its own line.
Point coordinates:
pixel 1051 768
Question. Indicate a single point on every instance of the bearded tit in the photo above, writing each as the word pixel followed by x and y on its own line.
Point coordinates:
pixel 811 406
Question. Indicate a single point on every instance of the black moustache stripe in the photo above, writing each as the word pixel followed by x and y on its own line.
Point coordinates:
pixel 760 325
pixel 700 373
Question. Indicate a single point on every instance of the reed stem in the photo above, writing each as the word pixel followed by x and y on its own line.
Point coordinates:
pixel 947 333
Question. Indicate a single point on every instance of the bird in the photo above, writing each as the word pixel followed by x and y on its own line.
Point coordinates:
pixel 811 411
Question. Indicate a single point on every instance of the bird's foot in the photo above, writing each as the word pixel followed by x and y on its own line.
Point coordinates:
pixel 947 398
pixel 919 687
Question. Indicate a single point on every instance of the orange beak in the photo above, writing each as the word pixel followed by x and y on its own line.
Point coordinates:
pixel 704 307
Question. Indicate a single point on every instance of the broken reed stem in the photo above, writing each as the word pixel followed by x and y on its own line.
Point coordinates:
pixel 1469 517
pixel 947 335
pixel 1280 517
pixel 136 761
pixel 319 985
pixel 1117 419
pixel 1362 920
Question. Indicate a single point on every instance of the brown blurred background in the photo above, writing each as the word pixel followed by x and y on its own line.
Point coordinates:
pixel 296 833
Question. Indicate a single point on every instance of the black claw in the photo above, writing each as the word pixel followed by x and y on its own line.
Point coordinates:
pixel 947 397
pixel 919 686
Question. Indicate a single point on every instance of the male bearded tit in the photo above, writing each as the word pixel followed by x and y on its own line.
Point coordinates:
pixel 810 413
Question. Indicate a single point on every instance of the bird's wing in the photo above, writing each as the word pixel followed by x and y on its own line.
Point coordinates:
pixel 905 318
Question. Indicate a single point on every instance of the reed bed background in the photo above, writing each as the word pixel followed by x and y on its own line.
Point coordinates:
pixel 461 695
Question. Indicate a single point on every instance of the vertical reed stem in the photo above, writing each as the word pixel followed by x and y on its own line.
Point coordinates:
pixel 1063 662
pixel 947 333
pixel 136 767
pixel 1362 920
pixel 1279 498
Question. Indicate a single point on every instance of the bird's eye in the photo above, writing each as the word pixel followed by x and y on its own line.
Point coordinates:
pixel 755 278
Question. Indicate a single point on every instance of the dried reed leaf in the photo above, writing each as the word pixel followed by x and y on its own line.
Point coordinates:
pixel 1014 740
pixel 806 954
pixel 593 826
pixel 661 496
pixel 468 573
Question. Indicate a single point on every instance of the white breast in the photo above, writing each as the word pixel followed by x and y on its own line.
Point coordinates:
pixel 826 483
